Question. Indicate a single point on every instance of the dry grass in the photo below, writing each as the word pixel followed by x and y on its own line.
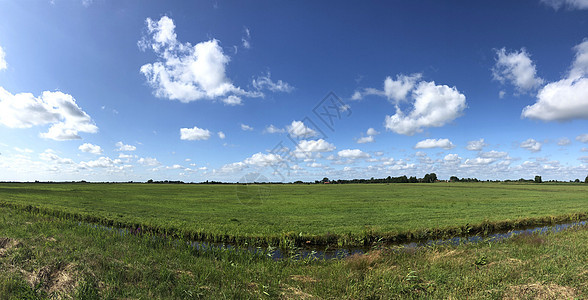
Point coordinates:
pixel 539 291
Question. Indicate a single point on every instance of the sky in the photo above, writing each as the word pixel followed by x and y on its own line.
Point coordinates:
pixel 102 90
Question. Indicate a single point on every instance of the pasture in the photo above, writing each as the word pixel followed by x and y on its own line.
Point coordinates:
pixel 350 214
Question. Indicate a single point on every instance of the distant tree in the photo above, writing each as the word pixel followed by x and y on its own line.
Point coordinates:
pixel 538 179
pixel 429 178
pixel 453 179
pixel 586 180
pixel 413 179
pixel 151 181
pixel 325 180
pixel 577 180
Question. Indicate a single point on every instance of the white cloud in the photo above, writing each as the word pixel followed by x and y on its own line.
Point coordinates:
pixel 396 90
pixel 372 131
pixel 3 64
pixel 477 145
pixel 582 138
pixel 434 143
pixel 90 148
pixel 493 154
pixel 452 158
pixel 221 135
pixel 298 129
pixel 365 139
pixel 59 109
pixel 102 162
pixel 120 146
pixel 185 72
pixel 516 68
pixel 232 100
pixel 352 154
pixel 319 145
pixel 246 39
pixel 246 127
pixel 564 141
pixel 194 134
pixel 531 145
pixel 569 4
pixel 501 94
pixel 274 129
pixel 49 155
pixel 315 165
pixel 149 161
pixel 434 106
pixel 265 82
pixel 25 150
pixel 478 161
pixel 263 160
pixel 566 99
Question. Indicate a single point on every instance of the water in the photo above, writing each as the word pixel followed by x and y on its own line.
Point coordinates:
pixel 326 252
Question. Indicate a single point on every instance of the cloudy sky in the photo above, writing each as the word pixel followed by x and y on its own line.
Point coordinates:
pixel 213 90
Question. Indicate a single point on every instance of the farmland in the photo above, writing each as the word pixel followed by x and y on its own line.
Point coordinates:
pixel 344 214
pixel 46 257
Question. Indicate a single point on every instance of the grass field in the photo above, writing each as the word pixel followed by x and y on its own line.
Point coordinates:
pixel 343 214
pixel 46 257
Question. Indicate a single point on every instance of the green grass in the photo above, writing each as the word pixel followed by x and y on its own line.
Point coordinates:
pixel 344 214
pixel 45 257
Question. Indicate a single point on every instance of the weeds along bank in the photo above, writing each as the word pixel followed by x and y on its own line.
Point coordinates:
pixel 46 257
pixel 291 215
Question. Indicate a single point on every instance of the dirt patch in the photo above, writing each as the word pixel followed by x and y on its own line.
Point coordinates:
pixel 303 278
pixel 540 291
pixel 291 292
pixel 438 255
pixel 55 280
pixel 364 261
pixel 6 244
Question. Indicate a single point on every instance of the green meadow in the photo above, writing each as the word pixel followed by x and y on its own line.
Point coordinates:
pixel 44 257
pixel 350 214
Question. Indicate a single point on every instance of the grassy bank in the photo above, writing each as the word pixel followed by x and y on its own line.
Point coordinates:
pixel 281 214
pixel 43 257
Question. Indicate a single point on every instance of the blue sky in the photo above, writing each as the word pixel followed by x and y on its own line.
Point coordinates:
pixel 213 90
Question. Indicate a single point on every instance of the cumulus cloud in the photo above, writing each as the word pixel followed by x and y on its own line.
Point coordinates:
pixel 3 63
pixel 265 82
pixel 274 129
pixel 90 148
pixel 102 162
pixel 434 106
pixel 60 110
pixel 299 129
pixel 263 160
pixel 366 139
pixel 149 161
pixel 435 143
pixel 569 4
pixel 582 138
pixel 319 145
pixel 517 68
pixel 352 154
pixel 221 135
pixel 531 145
pixel 566 99
pixel 476 145
pixel 50 155
pixel 245 127
pixel 185 72
pixel 372 131
pixel 120 146
pixel 396 90
pixel 232 100
pixel 194 134
pixel 478 161
pixel 452 158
